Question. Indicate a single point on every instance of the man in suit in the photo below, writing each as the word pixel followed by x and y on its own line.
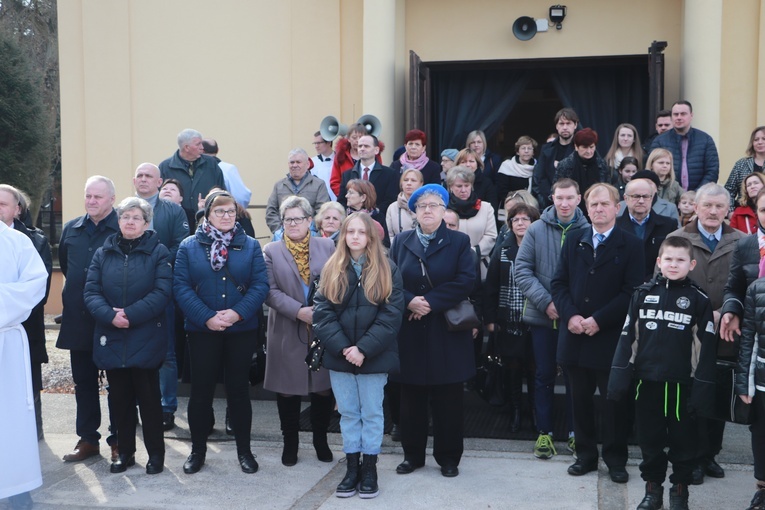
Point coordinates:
pixel 652 228
pixel 598 270
pixel 384 179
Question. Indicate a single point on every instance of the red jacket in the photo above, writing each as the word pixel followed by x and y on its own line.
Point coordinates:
pixel 744 219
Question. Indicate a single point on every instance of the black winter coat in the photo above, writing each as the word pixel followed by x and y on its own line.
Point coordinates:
pixel 544 172
pixel 141 283
pixel 431 354
pixel 75 251
pixel 584 172
pixel 600 287
pixel 431 172
pixel 744 269
pixel 355 321
pixel 657 228
pixel 750 372
pixel 207 175
pixel 658 342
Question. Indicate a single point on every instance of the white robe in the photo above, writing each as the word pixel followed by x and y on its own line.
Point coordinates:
pixel 22 286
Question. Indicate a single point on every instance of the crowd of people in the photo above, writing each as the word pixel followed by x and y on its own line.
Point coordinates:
pixel 630 273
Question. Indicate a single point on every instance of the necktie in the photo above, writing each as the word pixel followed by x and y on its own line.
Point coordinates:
pixel 366 174
pixel 710 241
pixel 600 237
pixel 191 169
pixel 684 162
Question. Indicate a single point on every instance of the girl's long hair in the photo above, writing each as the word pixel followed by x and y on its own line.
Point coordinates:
pixel 636 149
pixel 376 273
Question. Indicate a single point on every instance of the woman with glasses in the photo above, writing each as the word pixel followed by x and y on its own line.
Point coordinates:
pixel 220 284
pixel 503 311
pixel 294 264
pixel 437 267
pixel 128 288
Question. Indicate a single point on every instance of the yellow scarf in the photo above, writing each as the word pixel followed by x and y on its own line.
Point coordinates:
pixel 299 251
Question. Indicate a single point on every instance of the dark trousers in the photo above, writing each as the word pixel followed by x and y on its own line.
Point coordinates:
pixel 393 397
pixel 662 420
pixel 757 428
pixel 614 424
pixel 545 345
pixel 131 386
pixel 709 438
pixel 208 351
pixel 447 409
pixel 85 376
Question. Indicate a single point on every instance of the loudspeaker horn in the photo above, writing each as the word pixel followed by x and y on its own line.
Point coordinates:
pixel 371 124
pixel 330 128
pixel 524 28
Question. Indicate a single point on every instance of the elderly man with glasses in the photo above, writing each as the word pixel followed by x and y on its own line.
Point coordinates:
pixel 639 220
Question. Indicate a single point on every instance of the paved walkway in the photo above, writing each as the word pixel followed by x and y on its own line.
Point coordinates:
pixel 493 475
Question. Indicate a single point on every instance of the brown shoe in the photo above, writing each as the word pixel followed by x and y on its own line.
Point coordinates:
pixel 82 451
pixel 115 451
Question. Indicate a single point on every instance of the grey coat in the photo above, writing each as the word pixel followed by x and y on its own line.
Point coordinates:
pixel 311 188
pixel 537 261
pixel 289 338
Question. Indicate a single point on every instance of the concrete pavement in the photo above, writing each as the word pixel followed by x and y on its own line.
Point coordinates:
pixel 494 474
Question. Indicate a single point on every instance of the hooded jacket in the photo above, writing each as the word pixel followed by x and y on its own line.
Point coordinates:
pixel 537 261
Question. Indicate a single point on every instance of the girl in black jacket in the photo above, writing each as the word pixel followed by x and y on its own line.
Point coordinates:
pixel 357 314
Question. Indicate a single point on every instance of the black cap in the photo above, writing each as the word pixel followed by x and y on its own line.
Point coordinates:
pixel 648 174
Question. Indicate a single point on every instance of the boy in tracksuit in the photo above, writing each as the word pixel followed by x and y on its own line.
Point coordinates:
pixel 668 346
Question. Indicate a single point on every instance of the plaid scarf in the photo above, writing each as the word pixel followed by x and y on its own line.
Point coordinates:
pixel 299 251
pixel 219 249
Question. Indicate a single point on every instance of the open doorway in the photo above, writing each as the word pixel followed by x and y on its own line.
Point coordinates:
pixel 509 98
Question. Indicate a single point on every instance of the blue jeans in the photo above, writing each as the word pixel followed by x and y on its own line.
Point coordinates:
pixel 168 372
pixel 545 343
pixel 360 403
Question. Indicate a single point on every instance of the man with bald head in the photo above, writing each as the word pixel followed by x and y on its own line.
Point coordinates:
pixel 639 220
pixel 172 227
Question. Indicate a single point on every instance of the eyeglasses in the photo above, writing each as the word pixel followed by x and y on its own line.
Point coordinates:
pixel 224 212
pixel 428 207
pixel 520 219
pixel 640 197
pixel 294 221
pixel 135 219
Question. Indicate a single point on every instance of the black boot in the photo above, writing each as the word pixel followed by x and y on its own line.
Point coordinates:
pixel 347 487
pixel 321 412
pixel 368 485
pixel 229 429
pixel 678 497
pixel 654 497
pixel 38 417
pixel 289 416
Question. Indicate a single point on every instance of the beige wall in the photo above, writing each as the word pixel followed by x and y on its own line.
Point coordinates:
pixel 260 75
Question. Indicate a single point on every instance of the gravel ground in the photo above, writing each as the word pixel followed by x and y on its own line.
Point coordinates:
pixel 56 374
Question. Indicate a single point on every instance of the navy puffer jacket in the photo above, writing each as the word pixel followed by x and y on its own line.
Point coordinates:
pixel 703 162
pixel 201 292
pixel 140 283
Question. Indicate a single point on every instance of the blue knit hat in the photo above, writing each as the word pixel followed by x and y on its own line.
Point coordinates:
pixel 431 188
pixel 450 153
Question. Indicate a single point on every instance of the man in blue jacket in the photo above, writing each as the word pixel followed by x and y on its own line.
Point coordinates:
pixel 171 225
pixel 693 151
